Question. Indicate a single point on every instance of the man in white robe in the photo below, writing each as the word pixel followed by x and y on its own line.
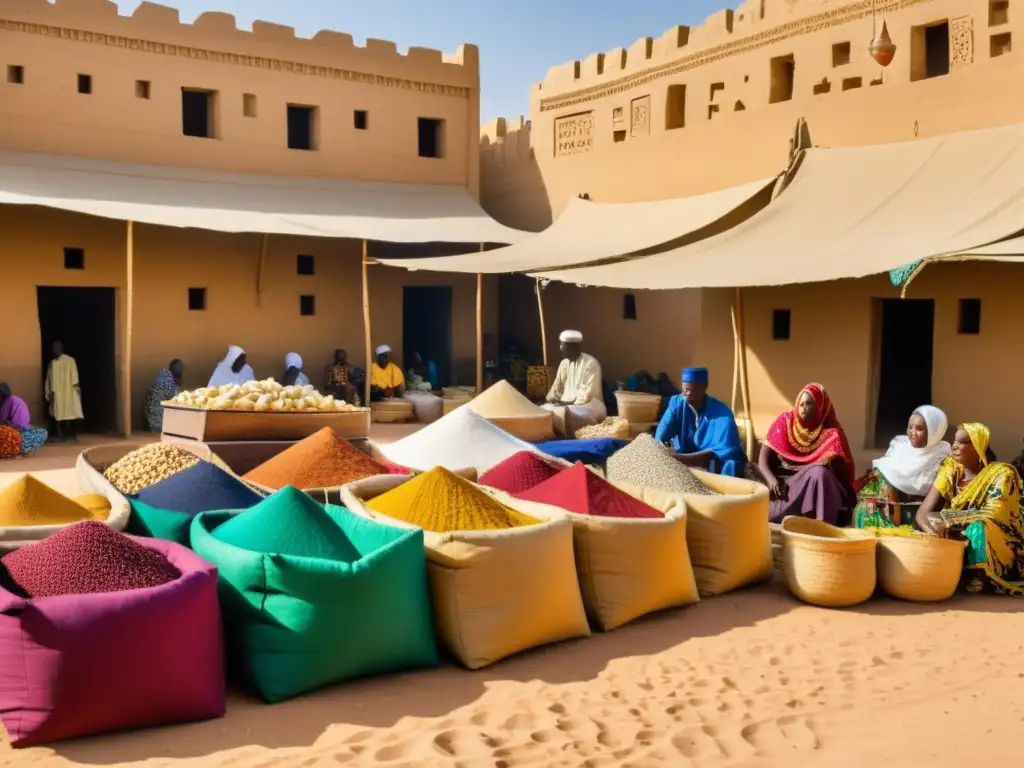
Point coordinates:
pixel 576 398
pixel 233 369
pixel 63 393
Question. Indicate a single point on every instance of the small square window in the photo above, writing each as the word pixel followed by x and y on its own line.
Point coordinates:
pixel 629 306
pixel 969 321
pixel 142 89
pixel 840 54
pixel 15 74
pixel 74 258
pixel 1000 45
pixel 361 120
pixel 197 299
pixel 780 324
pixel 305 264
pixel 85 84
pixel 249 104
pixel 307 305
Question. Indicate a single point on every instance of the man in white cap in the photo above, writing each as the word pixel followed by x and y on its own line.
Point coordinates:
pixel 576 398
pixel 386 378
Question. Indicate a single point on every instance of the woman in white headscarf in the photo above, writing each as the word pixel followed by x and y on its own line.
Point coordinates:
pixel 293 370
pixel 890 493
pixel 233 369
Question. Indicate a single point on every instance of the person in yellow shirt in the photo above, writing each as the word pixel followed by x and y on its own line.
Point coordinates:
pixel 386 378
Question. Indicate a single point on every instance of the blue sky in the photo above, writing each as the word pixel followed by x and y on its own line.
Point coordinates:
pixel 518 41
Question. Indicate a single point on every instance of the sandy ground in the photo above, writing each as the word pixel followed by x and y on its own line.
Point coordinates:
pixel 748 679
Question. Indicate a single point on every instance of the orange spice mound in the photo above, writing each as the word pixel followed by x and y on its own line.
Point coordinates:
pixel 322 460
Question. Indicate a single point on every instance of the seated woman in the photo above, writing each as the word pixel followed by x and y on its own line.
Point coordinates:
pixel 905 474
pixel 293 374
pixel 979 498
pixel 14 415
pixel 165 386
pixel 807 463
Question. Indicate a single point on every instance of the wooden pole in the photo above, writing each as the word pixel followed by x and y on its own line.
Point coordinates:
pixel 479 332
pixel 261 271
pixel 744 381
pixel 366 330
pixel 129 298
pixel 543 331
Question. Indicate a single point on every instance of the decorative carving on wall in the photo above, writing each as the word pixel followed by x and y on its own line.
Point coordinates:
pixel 961 41
pixel 236 59
pixel 574 134
pixel 807 25
pixel 640 116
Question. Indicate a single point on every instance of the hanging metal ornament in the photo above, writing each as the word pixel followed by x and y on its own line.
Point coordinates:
pixel 882 48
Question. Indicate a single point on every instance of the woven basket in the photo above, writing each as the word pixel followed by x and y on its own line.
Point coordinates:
pixel 777 540
pixel 538 381
pixel 532 429
pixel 638 407
pixel 392 411
pixel 827 566
pixel 467 393
pixel 919 567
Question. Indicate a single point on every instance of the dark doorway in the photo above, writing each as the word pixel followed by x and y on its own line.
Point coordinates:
pixel 83 318
pixel 427 327
pixel 905 364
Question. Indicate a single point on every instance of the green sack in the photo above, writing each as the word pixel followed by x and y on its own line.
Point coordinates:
pixel 156 523
pixel 314 595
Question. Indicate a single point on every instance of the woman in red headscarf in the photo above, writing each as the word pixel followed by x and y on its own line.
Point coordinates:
pixel 807 463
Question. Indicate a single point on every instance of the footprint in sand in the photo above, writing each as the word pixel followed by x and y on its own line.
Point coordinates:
pixel 464 742
pixel 782 735
pixel 698 741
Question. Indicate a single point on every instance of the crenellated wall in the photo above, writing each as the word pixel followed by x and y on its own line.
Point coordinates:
pixel 51 44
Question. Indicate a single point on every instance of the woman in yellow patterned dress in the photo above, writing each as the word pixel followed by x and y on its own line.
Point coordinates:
pixel 978 497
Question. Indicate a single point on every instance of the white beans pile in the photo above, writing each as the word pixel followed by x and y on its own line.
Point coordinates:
pixel 148 465
pixel 646 463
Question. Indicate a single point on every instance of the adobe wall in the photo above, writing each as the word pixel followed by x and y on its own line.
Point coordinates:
pixel 169 261
pixel 611 125
pixel 54 43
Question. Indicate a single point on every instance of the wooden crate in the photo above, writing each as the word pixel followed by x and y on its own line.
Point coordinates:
pixel 182 423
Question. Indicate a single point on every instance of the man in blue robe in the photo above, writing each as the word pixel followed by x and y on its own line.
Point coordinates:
pixel 702 429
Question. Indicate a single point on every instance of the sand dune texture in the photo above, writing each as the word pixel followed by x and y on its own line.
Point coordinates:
pixel 748 679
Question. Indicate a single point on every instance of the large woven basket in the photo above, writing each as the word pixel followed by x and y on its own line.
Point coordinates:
pixel 392 411
pixel 538 381
pixel 919 567
pixel 825 565
pixel 638 407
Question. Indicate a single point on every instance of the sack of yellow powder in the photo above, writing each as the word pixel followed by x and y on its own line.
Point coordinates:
pixel 501 580
pixel 30 502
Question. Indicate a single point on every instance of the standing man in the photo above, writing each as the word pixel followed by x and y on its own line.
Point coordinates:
pixel 576 398
pixel 386 378
pixel 63 393
pixel 702 429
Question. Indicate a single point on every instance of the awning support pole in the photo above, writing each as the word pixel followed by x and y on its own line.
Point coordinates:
pixel 480 330
pixel 260 271
pixel 741 346
pixel 366 330
pixel 126 356
pixel 543 331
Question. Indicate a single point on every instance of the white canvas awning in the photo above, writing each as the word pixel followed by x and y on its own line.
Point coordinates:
pixel 850 213
pixel 587 232
pixel 231 202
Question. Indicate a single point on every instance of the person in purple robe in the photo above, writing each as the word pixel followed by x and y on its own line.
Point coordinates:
pixel 14 413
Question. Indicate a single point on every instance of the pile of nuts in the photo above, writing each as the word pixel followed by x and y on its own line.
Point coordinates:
pixel 148 465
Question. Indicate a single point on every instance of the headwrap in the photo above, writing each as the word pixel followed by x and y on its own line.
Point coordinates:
pixel 695 375
pixel 913 470
pixel 980 437
pixel 570 337
pixel 383 349
pixel 818 442
pixel 223 374
pixel 292 360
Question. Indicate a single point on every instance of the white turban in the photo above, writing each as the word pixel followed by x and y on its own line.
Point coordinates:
pixel 292 360
pixel 383 349
pixel 571 337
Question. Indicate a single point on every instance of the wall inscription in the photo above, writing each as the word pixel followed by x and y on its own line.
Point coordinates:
pixel 574 134
pixel 640 116
pixel 961 41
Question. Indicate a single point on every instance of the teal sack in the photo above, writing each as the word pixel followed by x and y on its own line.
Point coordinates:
pixel 157 523
pixel 313 595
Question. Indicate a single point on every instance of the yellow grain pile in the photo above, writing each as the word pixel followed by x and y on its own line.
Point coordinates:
pixel 503 401
pixel 441 502
pixel 148 465
pixel 28 501
pixel 96 504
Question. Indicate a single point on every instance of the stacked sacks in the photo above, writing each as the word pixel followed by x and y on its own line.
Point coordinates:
pixel 505 407
pixel 631 556
pixel 314 595
pixel 165 510
pixel 727 530
pixel 501 581
pixel 90 610
pixel 30 510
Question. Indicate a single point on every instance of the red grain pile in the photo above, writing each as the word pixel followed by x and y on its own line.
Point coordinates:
pixel 86 558
pixel 322 460
pixel 519 472
pixel 579 490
